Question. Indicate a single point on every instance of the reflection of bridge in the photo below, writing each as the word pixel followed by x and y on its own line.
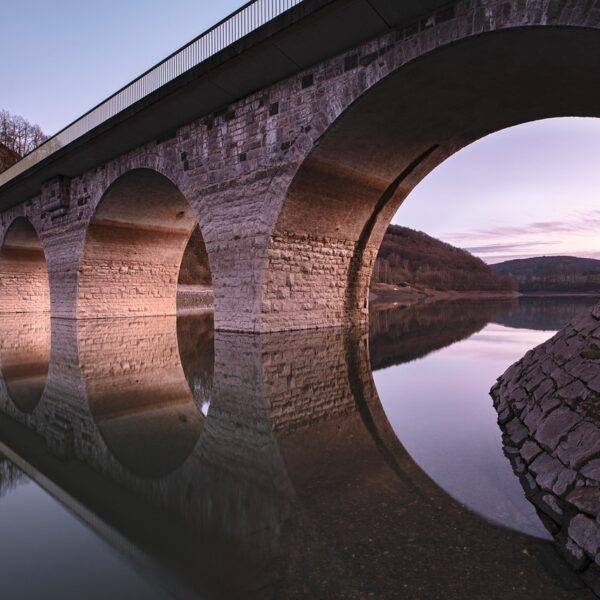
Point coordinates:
pixel 262 135
pixel 294 480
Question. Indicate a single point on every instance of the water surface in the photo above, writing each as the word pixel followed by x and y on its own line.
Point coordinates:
pixel 181 462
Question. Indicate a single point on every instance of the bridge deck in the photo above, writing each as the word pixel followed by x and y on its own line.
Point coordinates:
pixel 261 43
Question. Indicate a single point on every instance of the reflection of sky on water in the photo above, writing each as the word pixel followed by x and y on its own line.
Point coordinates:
pixel 47 541
pixel 440 409
pixel 502 343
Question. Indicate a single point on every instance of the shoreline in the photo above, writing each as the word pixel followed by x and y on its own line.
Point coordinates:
pixel 385 296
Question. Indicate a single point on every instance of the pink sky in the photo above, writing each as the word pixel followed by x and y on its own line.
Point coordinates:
pixel 526 191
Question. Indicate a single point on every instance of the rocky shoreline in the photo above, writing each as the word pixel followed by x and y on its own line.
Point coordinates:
pixel 548 406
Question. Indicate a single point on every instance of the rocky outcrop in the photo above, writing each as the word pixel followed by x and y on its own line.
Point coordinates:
pixel 549 410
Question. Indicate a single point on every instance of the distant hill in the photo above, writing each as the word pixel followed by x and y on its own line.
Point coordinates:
pixel 409 257
pixel 559 274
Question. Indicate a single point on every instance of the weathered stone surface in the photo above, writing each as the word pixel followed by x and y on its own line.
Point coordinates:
pixel 517 431
pixel 562 444
pixel 586 533
pixel 530 450
pixel 592 470
pixel 555 426
pixel 547 470
pixel 566 478
pixel 582 444
pixel 586 499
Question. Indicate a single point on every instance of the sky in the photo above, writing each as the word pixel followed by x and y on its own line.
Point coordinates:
pixel 68 55
pixel 522 192
pixel 525 191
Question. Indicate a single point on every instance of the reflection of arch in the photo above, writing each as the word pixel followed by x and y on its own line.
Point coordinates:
pixel 25 357
pixel 372 145
pixel 195 337
pixel 24 286
pixel 363 498
pixel 134 248
pixel 138 394
pixel 295 470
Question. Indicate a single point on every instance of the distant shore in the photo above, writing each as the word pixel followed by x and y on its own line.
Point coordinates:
pixel 559 294
pixel 384 296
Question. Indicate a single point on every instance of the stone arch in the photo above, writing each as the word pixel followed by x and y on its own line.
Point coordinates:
pixel 24 286
pixel 393 120
pixel 141 240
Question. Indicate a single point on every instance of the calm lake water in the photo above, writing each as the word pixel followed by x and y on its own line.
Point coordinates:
pixel 155 458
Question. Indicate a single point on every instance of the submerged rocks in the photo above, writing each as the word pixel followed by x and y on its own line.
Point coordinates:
pixel 549 411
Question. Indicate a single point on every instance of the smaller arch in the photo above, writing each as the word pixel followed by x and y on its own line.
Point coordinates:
pixel 134 248
pixel 24 283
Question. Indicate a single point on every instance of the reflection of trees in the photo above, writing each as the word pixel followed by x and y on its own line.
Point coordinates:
pixel 401 335
pixel 544 313
pixel 11 477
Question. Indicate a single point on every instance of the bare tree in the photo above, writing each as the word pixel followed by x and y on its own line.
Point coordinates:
pixel 18 134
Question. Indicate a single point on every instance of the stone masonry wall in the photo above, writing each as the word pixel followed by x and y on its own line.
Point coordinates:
pixel 549 410
pixel 24 284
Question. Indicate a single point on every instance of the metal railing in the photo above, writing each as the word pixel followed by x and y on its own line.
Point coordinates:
pixel 245 20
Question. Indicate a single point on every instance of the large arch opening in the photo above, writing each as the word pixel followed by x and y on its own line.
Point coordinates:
pixel 142 243
pixel 346 191
pixel 24 286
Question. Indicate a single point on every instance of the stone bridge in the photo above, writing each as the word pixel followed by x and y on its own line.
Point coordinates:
pixel 277 161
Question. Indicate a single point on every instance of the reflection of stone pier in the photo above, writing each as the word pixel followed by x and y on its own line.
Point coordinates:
pixel 549 409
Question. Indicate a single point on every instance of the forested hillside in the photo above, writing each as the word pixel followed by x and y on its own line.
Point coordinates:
pixel 562 274
pixel 417 259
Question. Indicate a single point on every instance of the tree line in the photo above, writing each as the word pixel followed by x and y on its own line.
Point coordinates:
pixel 19 135
pixel 417 259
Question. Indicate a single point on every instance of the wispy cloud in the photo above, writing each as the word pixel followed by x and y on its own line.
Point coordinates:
pixel 581 224
pixel 495 258
pixel 489 248
pixel 575 236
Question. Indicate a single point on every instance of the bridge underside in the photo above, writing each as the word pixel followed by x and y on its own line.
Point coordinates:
pixel 283 198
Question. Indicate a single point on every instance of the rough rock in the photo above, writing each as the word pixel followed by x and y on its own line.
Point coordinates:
pixel 553 393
